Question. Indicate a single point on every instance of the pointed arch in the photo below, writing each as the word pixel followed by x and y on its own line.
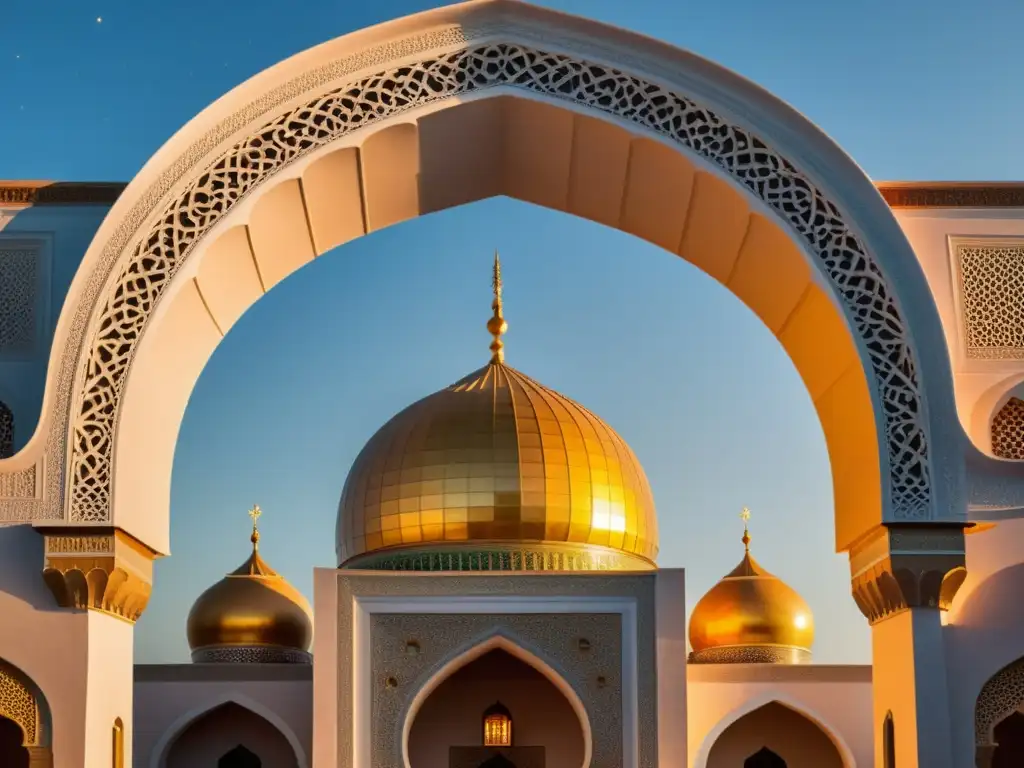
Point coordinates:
pixel 757 702
pixel 23 702
pixel 498 640
pixel 158 757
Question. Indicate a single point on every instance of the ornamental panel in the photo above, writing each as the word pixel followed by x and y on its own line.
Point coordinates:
pixel 1008 430
pixel 173 229
pixel 1000 697
pixel 19 282
pixel 990 282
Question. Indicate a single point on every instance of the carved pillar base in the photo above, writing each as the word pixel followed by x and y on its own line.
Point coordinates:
pixel 902 577
pixel 101 569
pixel 39 757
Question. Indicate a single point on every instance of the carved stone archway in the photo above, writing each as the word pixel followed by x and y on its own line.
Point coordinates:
pixel 343 140
pixel 1001 696
pixel 22 703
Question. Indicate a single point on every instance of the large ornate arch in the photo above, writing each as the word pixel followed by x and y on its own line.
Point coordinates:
pixel 381 76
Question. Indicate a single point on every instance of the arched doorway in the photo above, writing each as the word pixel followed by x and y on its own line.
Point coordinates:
pixel 230 736
pixel 371 129
pixel 764 758
pixel 773 736
pixel 1009 752
pixel 12 740
pixel 451 726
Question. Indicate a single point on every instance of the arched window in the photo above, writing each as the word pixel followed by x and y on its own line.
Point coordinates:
pixel 240 757
pixel 117 749
pixel 497 726
pixel 764 758
pixel 888 742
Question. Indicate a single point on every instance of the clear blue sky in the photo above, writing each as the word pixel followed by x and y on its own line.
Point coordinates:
pixel 703 393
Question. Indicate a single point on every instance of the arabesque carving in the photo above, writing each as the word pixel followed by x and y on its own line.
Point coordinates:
pixel 18 703
pixel 907 568
pixel 162 247
pixel 1008 430
pixel 102 571
pixel 1000 697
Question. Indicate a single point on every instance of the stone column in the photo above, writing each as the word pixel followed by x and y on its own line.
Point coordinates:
pixel 902 577
pixel 109 575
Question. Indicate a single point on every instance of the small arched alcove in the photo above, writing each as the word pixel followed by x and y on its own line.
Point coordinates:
pixel 455 717
pixel 774 732
pixel 230 736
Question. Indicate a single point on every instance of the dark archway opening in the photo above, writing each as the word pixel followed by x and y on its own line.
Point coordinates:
pixel 240 757
pixel 1009 735
pixel 764 758
pixel 452 724
pixel 12 752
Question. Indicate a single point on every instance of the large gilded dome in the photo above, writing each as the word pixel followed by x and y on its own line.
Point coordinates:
pixel 251 615
pixel 496 472
pixel 751 616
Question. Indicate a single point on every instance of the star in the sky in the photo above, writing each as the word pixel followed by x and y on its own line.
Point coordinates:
pixel 99 19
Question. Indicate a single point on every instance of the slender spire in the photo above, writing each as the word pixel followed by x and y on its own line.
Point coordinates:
pixel 255 513
pixel 745 517
pixel 497 325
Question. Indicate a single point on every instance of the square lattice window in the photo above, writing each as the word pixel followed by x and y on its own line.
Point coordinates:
pixel 990 283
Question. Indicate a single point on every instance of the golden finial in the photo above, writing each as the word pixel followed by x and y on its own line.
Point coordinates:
pixel 745 517
pixel 497 325
pixel 255 513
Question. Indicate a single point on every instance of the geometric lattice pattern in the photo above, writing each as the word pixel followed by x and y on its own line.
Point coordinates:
pixel 162 249
pixel 1008 430
pixel 1000 697
pixel 19 270
pixel 6 431
pixel 991 290
pixel 18 703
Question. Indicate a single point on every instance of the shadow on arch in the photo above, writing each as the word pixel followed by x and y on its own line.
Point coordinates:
pixel 216 729
pixel 774 723
pixel 767 205
pixel 544 709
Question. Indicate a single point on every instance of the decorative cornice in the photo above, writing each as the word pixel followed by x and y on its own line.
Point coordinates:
pixel 908 566
pixel 98 569
pixel 931 194
pixel 60 192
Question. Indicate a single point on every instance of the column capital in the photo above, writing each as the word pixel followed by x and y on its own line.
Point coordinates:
pixel 913 565
pixel 98 568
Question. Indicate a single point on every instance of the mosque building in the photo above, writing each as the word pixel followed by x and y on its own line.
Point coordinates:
pixel 491 493
pixel 496 600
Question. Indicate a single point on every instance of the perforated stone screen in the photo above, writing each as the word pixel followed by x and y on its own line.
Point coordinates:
pixel 1008 430
pixel 991 285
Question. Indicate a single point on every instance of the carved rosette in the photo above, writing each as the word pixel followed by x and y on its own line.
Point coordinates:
pixel 908 566
pixel 100 569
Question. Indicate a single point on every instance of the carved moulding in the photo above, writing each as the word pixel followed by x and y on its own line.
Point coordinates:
pixel 144 259
pixel 99 569
pixel 908 566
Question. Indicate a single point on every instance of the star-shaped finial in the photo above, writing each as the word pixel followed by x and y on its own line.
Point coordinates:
pixel 745 515
pixel 255 513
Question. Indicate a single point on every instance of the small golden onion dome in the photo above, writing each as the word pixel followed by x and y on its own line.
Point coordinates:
pixel 496 472
pixel 751 616
pixel 251 615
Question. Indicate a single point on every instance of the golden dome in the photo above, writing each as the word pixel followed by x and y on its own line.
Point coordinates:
pixel 496 472
pixel 251 615
pixel 751 616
